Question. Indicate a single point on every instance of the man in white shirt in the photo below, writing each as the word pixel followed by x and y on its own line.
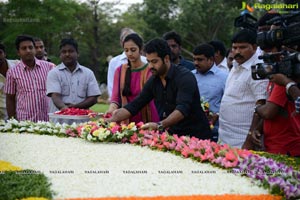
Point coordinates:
pixel 220 54
pixel 242 93
pixel 118 60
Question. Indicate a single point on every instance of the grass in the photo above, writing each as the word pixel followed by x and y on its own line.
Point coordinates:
pixel 22 184
pixel 100 107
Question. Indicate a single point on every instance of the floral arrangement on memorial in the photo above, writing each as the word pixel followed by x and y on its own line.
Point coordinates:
pixel 278 177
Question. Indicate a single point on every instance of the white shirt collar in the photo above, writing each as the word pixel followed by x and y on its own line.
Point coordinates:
pixel 123 56
pixel 247 65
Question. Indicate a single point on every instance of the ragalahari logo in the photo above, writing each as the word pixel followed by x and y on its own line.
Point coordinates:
pixel 246 6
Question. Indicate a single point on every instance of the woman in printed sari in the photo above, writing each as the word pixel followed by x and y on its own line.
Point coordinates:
pixel 129 80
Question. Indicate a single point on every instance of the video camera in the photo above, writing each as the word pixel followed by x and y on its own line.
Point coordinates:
pixel 288 32
pixel 246 21
pixel 289 65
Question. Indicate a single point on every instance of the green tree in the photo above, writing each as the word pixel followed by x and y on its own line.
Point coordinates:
pixel 50 20
pixel 96 25
pixel 134 18
pixel 159 15
pixel 204 20
pixel 98 36
pixel 196 21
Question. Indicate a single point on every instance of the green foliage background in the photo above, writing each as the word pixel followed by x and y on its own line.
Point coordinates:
pixel 96 25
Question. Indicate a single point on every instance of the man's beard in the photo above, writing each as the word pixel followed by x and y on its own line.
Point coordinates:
pixel 173 57
pixel 39 56
pixel 161 71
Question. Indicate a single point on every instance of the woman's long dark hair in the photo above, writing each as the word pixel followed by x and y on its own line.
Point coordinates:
pixel 139 42
pixel 126 91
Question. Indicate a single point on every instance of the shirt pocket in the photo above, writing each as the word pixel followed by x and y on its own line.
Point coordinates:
pixel 65 89
pixel 39 83
pixel 82 89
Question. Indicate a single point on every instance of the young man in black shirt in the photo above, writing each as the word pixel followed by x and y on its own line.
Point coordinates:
pixel 175 93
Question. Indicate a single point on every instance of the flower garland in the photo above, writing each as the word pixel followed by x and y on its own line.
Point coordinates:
pixel 266 170
pixel 280 178
pixel 41 127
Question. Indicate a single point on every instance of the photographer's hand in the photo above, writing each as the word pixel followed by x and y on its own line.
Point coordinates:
pixel 291 84
pixel 256 138
pixel 280 79
pixel 253 141
pixel 248 144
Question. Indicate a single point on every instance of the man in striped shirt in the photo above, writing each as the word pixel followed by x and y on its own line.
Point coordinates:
pixel 25 85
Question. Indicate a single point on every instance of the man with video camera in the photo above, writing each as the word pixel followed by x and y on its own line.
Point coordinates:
pixel 280 118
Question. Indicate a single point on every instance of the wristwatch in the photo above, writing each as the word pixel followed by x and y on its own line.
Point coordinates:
pixel 160 127
pixel 256 107
pixel 288 86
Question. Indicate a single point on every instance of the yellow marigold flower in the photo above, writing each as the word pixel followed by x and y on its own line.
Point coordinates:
pixel 206 105
pixel 96 133
pixel 34 198
pixel 101 130
pixel 131 125
pixel 7 166
pixel 112 124
pixel 87 127
pixel 124 127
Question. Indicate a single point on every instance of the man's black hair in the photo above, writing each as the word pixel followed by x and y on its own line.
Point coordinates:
pixel 204 49
pixel 158 46
pixel 218 46
pixel 244 35
pixel 37 39
pixel 68 41
pixel 172 35
pixel 22 38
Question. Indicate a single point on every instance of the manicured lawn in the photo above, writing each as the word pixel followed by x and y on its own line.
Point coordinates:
pixel 100 108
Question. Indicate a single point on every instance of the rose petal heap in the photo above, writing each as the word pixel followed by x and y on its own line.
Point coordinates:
pixel 74 111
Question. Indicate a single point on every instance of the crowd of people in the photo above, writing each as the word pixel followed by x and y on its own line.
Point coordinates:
pixel 155 84
pixel 32 86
